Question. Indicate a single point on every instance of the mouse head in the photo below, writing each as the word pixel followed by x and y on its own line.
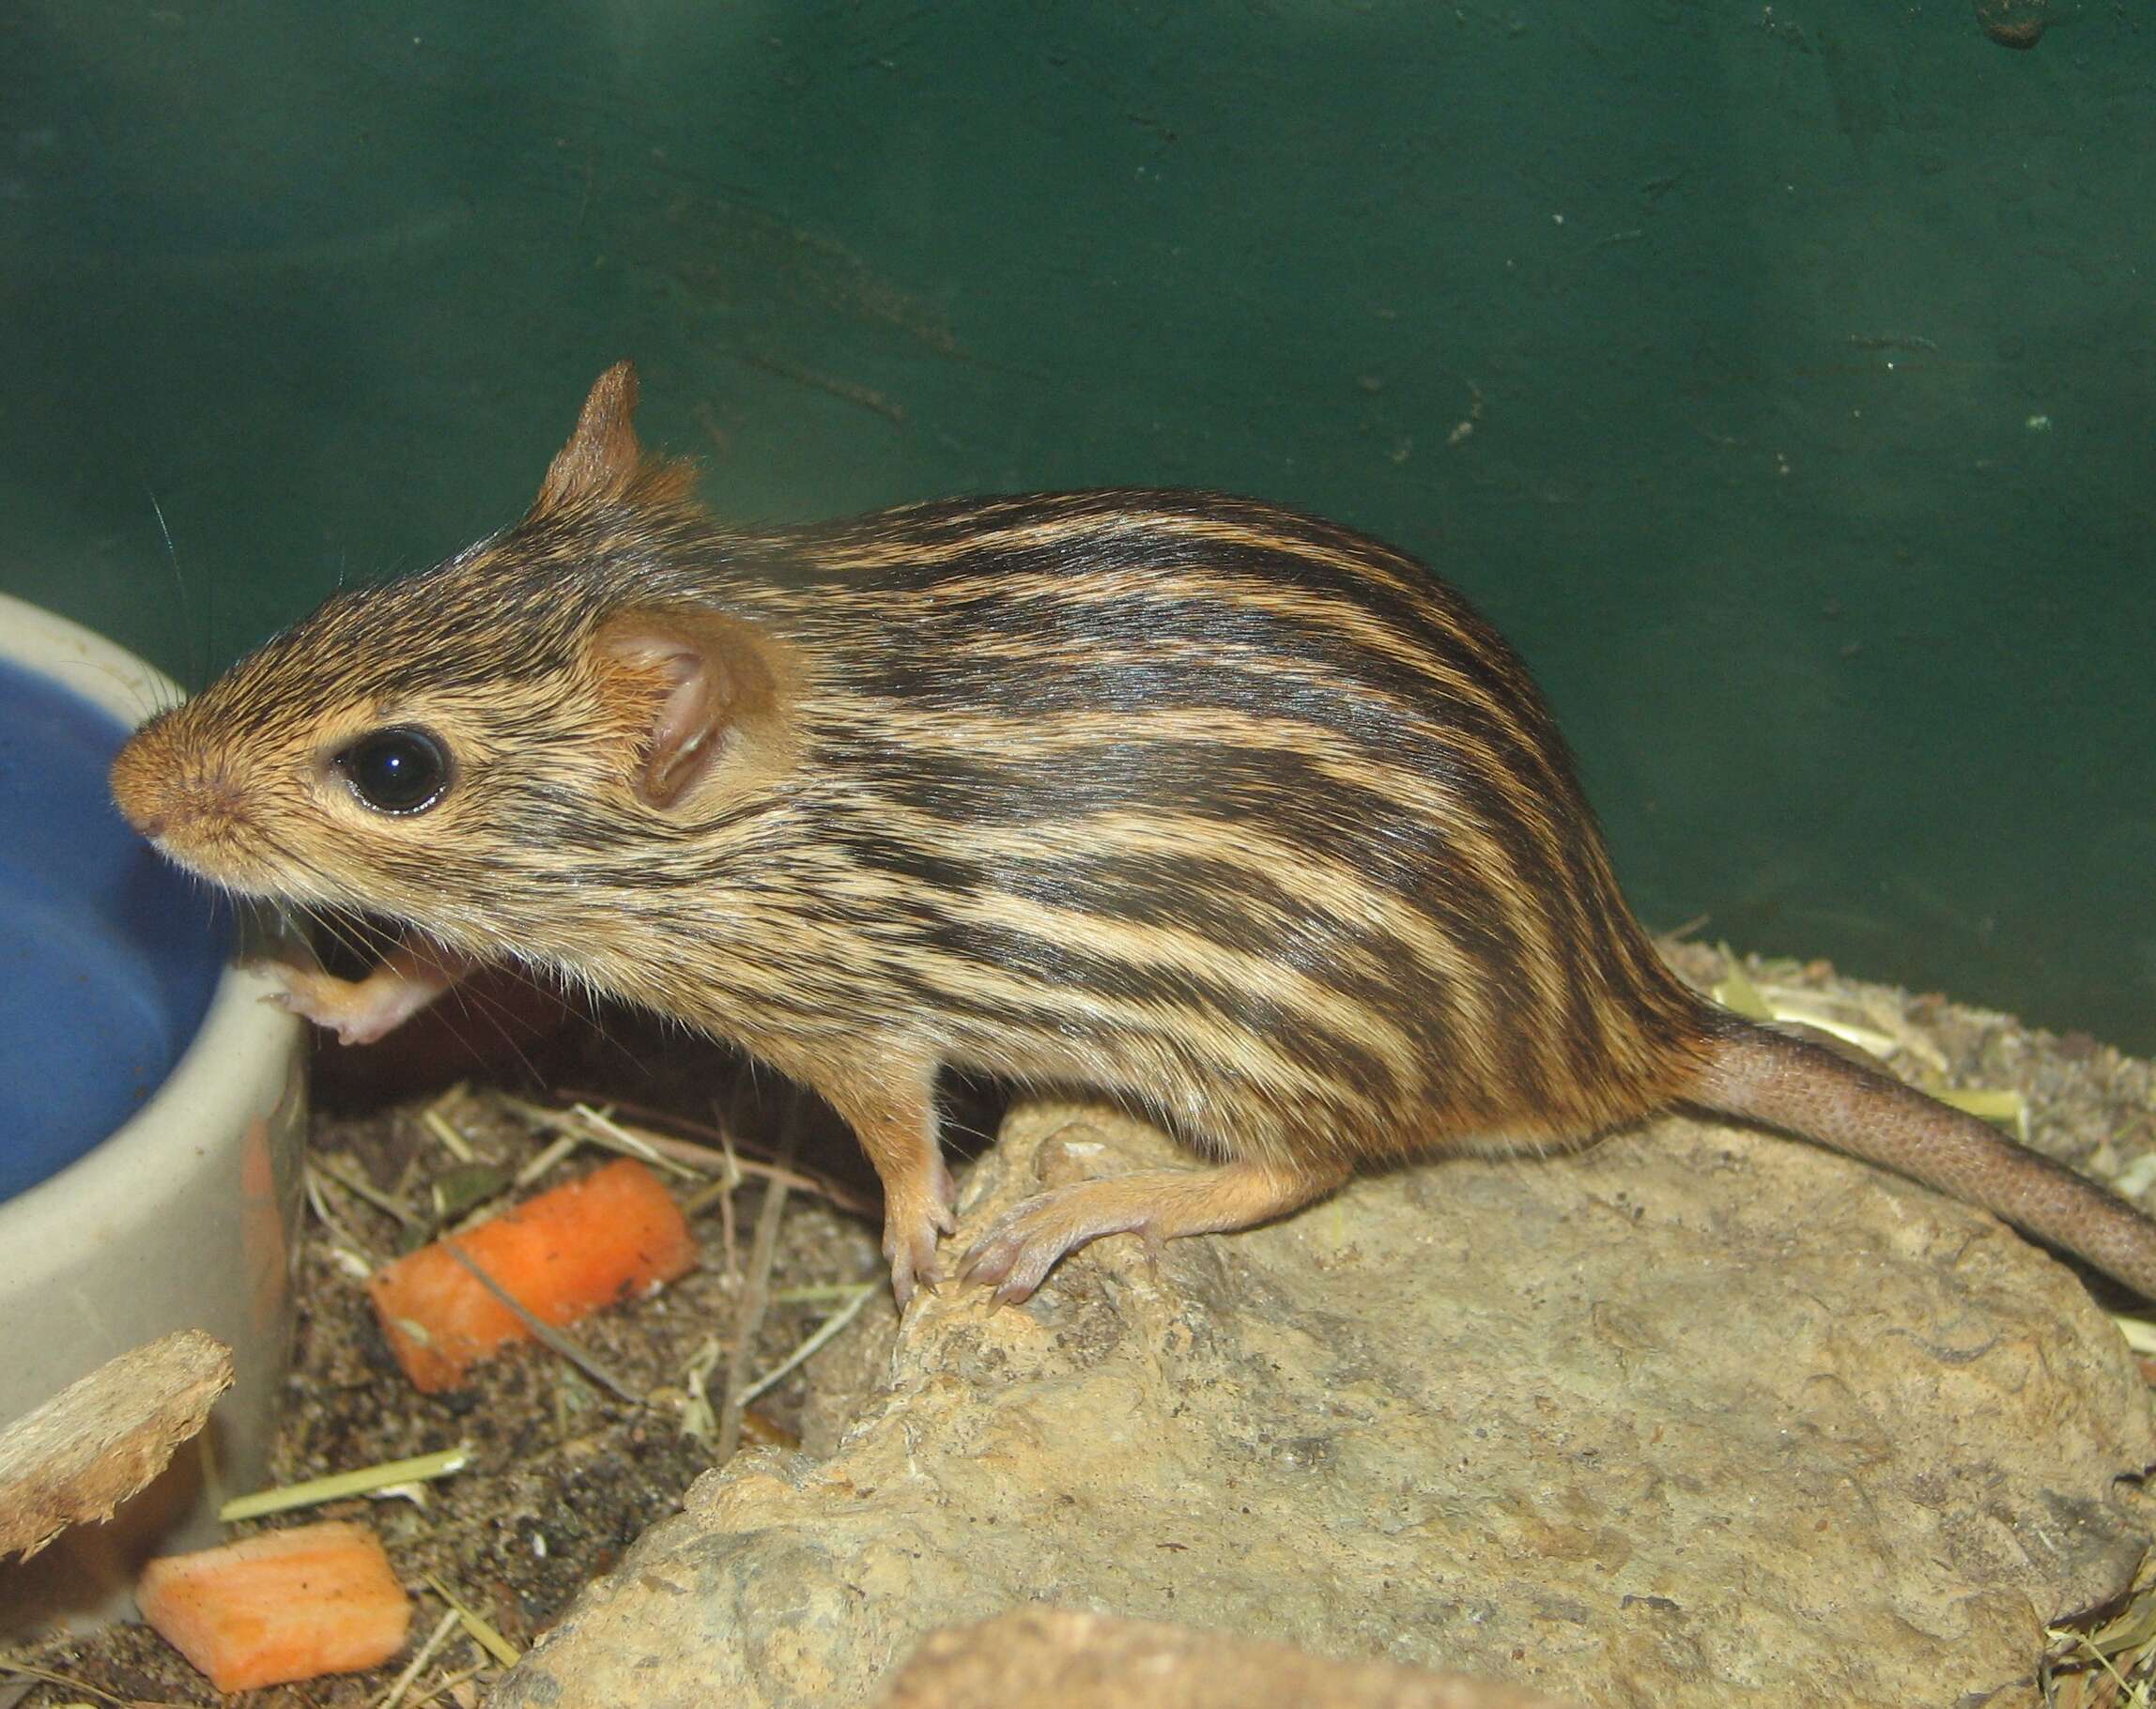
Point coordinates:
pixel 542 706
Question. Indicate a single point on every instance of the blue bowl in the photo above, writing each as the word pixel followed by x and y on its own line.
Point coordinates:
pixel 108 955
pixel 138 1208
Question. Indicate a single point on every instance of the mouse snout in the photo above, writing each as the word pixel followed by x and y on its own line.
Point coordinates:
pixel 136 789
pixel 163 794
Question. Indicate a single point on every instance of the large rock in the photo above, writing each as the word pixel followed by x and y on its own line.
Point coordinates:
pixel 1700 1416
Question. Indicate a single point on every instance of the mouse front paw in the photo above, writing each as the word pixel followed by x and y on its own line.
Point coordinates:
pixel 358 1011
pixel 344 1007
pixel 913 1225
pixel 910 1243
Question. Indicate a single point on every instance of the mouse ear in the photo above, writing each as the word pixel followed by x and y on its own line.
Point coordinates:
pixel 601 460
pixel 698 688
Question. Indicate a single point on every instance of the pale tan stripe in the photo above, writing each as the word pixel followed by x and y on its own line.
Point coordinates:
pixel 1353 556
pixel 1016 736
pixel 1175 950
pixel 1326 886
pixel 872 552
pixel 1247 1056
pixel 1325 611
pixel 1338 757
pixel 1343 758
pixel 1018 732
pixel 1235 655
pixel 1096 513
pixel 1377 561
pixel 1480 858
pixel 1221 1047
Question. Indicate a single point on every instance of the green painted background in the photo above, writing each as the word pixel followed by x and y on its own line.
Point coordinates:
pixel 1781 377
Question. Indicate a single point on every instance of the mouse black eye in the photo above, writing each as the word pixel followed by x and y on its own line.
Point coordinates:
pixel 402 770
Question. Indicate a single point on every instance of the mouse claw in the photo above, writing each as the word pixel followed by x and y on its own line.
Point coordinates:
pixel 1008 1261
pixel 908 1282
pixel 909 1244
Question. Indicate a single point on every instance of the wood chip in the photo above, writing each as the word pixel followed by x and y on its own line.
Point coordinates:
pixel 77 1457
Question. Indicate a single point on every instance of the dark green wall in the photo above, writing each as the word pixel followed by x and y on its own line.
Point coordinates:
pixel 1807 349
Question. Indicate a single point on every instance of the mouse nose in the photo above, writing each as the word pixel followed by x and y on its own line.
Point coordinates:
pixel 138 790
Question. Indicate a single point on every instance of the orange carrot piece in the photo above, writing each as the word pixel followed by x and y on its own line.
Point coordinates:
pixel 283 1605
pixel 562 1256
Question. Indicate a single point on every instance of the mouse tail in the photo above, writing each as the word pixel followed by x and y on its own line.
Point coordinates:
pixel 1791 1084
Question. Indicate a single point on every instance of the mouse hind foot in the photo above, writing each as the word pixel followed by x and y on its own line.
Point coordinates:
pixel 1023 1244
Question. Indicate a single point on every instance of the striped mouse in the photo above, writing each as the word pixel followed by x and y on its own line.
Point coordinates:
pixel 1233 814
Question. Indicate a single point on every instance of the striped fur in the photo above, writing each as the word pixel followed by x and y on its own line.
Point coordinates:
pixel 1230 812
pixel 1222 809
